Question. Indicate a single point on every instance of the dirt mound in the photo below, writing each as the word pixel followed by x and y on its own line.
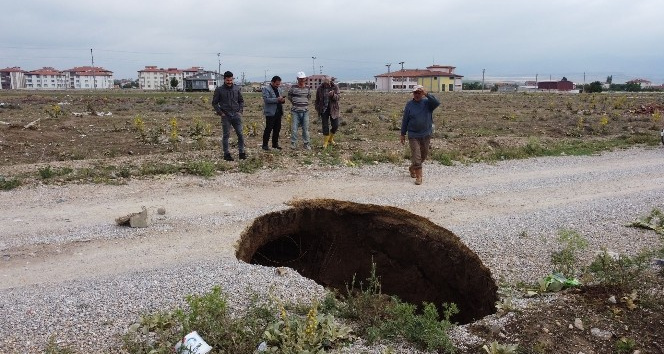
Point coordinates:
pixel 331 241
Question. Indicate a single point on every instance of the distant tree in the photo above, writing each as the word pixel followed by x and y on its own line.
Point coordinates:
pixel 564 79
pixel 632 87
pixel 609 79
pixel 594 86
pixel 475 85
pixel 174 83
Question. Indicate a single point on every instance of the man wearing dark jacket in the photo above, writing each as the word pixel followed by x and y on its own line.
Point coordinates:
pixel 417 123
pixel 229 104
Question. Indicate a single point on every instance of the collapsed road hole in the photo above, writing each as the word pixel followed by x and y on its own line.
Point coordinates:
pixel 330 241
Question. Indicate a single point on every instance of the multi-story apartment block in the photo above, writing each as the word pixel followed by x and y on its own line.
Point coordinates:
pixel 313 81
pixel 12 78
pixel 435 78
pixel 47 78
pixel 153 78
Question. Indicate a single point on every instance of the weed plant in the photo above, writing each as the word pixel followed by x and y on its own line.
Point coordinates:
pixel 7 184
pixel 565 261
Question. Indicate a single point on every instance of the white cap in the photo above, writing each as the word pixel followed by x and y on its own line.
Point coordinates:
pixel 301 75
pixel 418 88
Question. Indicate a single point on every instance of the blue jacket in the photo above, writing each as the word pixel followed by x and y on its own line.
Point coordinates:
pixel 270 100
pixel 417 118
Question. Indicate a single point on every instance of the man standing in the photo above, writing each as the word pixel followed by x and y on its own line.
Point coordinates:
pixel 273 110
pixel 299 96
pixel 229 104
pixel 327 106
pixel 417 121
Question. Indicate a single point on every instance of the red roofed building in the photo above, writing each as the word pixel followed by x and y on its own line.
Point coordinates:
pixel 12 78
pixel 643 82
pixel 153 78
pixel 83 77
pixel 435 78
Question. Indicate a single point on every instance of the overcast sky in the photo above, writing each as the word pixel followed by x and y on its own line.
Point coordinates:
pixel 351 39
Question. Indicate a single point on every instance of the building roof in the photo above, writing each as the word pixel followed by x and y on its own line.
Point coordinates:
pixel 433 70
pixel 12 69
pixel 639 81
pixel 47 70
pixel 89 71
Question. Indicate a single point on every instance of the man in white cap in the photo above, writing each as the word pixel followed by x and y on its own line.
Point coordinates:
pixel 417 122
pixel 299 96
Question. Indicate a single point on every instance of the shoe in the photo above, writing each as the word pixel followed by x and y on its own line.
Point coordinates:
pixel 266 148
pixel 293 146
pixel 307 147
pixel 326 140
pixel 412 171
pixel 276 147
pixel 331 140
pixel 243 156
pixel 228 157
pixel 418 176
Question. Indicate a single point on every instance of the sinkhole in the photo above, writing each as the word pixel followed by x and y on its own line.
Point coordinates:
pixel 331 241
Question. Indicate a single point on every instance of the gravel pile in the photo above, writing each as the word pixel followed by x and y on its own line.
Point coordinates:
pixel 514 238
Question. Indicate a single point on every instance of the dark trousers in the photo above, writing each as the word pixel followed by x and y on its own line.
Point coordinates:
pixel 327 119
pixel 272 126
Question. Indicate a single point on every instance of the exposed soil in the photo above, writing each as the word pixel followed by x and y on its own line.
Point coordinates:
pixel 474 125
pixel 330 242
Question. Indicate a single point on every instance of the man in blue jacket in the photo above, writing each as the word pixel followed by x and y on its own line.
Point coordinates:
pixel 417 122
pixel 273 101
pixel 229 104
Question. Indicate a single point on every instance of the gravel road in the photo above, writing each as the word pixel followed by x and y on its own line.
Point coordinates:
pixel 69 272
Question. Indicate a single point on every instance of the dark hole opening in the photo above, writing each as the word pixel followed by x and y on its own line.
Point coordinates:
pixel 332 241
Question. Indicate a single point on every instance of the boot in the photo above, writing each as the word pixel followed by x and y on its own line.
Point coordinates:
pixel 331 141
pixel 412 171
pixel 326 140
pixel 418 176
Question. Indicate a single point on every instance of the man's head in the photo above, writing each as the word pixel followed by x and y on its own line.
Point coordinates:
pixel 301 76
pixel 276 81
pixel 228 78
pixel 418 92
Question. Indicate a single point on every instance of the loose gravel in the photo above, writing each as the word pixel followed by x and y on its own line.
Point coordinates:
pixel 509 213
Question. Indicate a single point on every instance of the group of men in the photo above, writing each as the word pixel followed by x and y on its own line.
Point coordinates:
pixel 416 123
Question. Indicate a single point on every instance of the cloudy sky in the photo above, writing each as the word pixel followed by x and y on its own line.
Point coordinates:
pixel 350 39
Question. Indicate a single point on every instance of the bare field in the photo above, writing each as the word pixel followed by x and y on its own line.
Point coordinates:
pixel 109 127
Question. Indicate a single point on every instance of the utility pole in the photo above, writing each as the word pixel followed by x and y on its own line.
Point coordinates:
pixel 218 69
pixel 389 79
pixel 321 70
pixel 94 77
pixel 313 65
pixel 401 62
pixel 483 80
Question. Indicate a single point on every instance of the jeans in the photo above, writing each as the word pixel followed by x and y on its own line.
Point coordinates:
pixel 326 118
pixel 300 118
pixel 419 150
pixel 272 125
pixel 226 124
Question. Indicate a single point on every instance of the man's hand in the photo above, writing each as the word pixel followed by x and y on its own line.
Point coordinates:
pixel 403 139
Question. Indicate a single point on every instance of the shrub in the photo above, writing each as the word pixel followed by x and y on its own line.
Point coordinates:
pixel 565 260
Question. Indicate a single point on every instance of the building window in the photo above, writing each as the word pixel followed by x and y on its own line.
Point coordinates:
pixel 435 77
pixel 451 87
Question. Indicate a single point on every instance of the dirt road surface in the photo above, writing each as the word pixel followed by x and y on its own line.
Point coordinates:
pixel 58 233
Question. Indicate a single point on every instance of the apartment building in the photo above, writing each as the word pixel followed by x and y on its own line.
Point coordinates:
pixel 48 78
pixel 435 78
pixel 154 78
pixel 12 78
